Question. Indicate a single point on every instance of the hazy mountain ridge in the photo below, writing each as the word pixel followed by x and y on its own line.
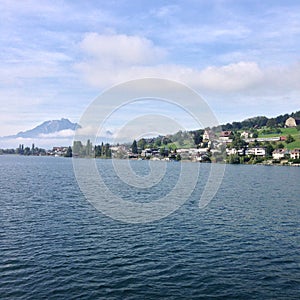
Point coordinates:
pixel 47 127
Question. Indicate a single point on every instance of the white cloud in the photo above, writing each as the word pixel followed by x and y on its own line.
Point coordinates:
pixel 166 11
pixel 247 86
pixel 87 130
pixel 133 57
pixel 59 134
pixel 19 65
pixel 206 34
pixel 228 78
pixel 121 49
pixel 284 77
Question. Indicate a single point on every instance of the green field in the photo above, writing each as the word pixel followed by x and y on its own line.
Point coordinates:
pixel 285 132
pixel 293 145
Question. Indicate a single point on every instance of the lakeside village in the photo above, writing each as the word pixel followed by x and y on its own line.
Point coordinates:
pixel 270 141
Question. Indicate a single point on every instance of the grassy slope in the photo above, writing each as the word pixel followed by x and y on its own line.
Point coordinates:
pixel 285 131
pixel 294 145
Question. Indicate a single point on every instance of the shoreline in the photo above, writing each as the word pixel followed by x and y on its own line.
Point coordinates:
pixel 159 160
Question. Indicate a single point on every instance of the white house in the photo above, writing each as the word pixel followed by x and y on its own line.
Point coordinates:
pixel 231 151
pixel 225 135
pixel 257 151
pixel 295 154
pixel 246 134
pixel 279 153
pixel 208 135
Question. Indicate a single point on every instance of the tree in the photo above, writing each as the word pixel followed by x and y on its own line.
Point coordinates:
pixel 69 152
pixel 233 159
pixel 197 136
pixel 142 143
pixel 27 151
pixel 102 149
pixel 89 147
pixel 20 150
pixel 97 151
pixel 163 152
pixel 173 147
pixel 271 123
pixel 77 148
pixel 289 139
pixel 158 142
pixel 236 125
pixel 256 143
pixel 107 151
pixel 269 149
pixel 280 146
pixel 178 157
pixel 227 126
pixel 166 140
pixel 180 141
pixel 134 147
pixel 238 142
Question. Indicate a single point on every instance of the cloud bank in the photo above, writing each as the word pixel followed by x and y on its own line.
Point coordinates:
pixel 55 57
pixel 118 58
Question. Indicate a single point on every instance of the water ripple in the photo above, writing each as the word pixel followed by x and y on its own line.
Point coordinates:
pixel 55 245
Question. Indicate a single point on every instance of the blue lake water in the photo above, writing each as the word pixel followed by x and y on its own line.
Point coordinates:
pixel 55 245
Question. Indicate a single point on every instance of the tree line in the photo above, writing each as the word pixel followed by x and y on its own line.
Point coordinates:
pixel 260 121
pixel 25 150
pixel 195 137
pixel 88 150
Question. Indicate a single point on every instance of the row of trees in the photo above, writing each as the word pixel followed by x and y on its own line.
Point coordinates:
pixel 163 150
pixel 259 122
pixel 89 150
pixel 137 147
pixel 169 141
pixel 103 151
pixel 30 151
pixel 24 150
pixel 78 149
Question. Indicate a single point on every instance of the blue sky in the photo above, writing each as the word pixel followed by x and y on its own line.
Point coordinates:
pixel 242 57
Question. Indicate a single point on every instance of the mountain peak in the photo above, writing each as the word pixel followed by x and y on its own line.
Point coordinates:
pixel 48 127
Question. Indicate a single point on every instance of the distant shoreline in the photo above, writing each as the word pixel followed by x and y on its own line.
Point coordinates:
pixel 159 160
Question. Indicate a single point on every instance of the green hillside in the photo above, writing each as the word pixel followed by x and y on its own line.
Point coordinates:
pixel 263 133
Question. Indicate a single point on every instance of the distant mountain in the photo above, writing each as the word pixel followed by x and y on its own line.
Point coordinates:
pixel 47 127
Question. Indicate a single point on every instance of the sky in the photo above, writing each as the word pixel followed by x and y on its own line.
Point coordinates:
pixel 56 57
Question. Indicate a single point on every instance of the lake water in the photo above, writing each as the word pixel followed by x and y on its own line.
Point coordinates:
pixel 55 245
